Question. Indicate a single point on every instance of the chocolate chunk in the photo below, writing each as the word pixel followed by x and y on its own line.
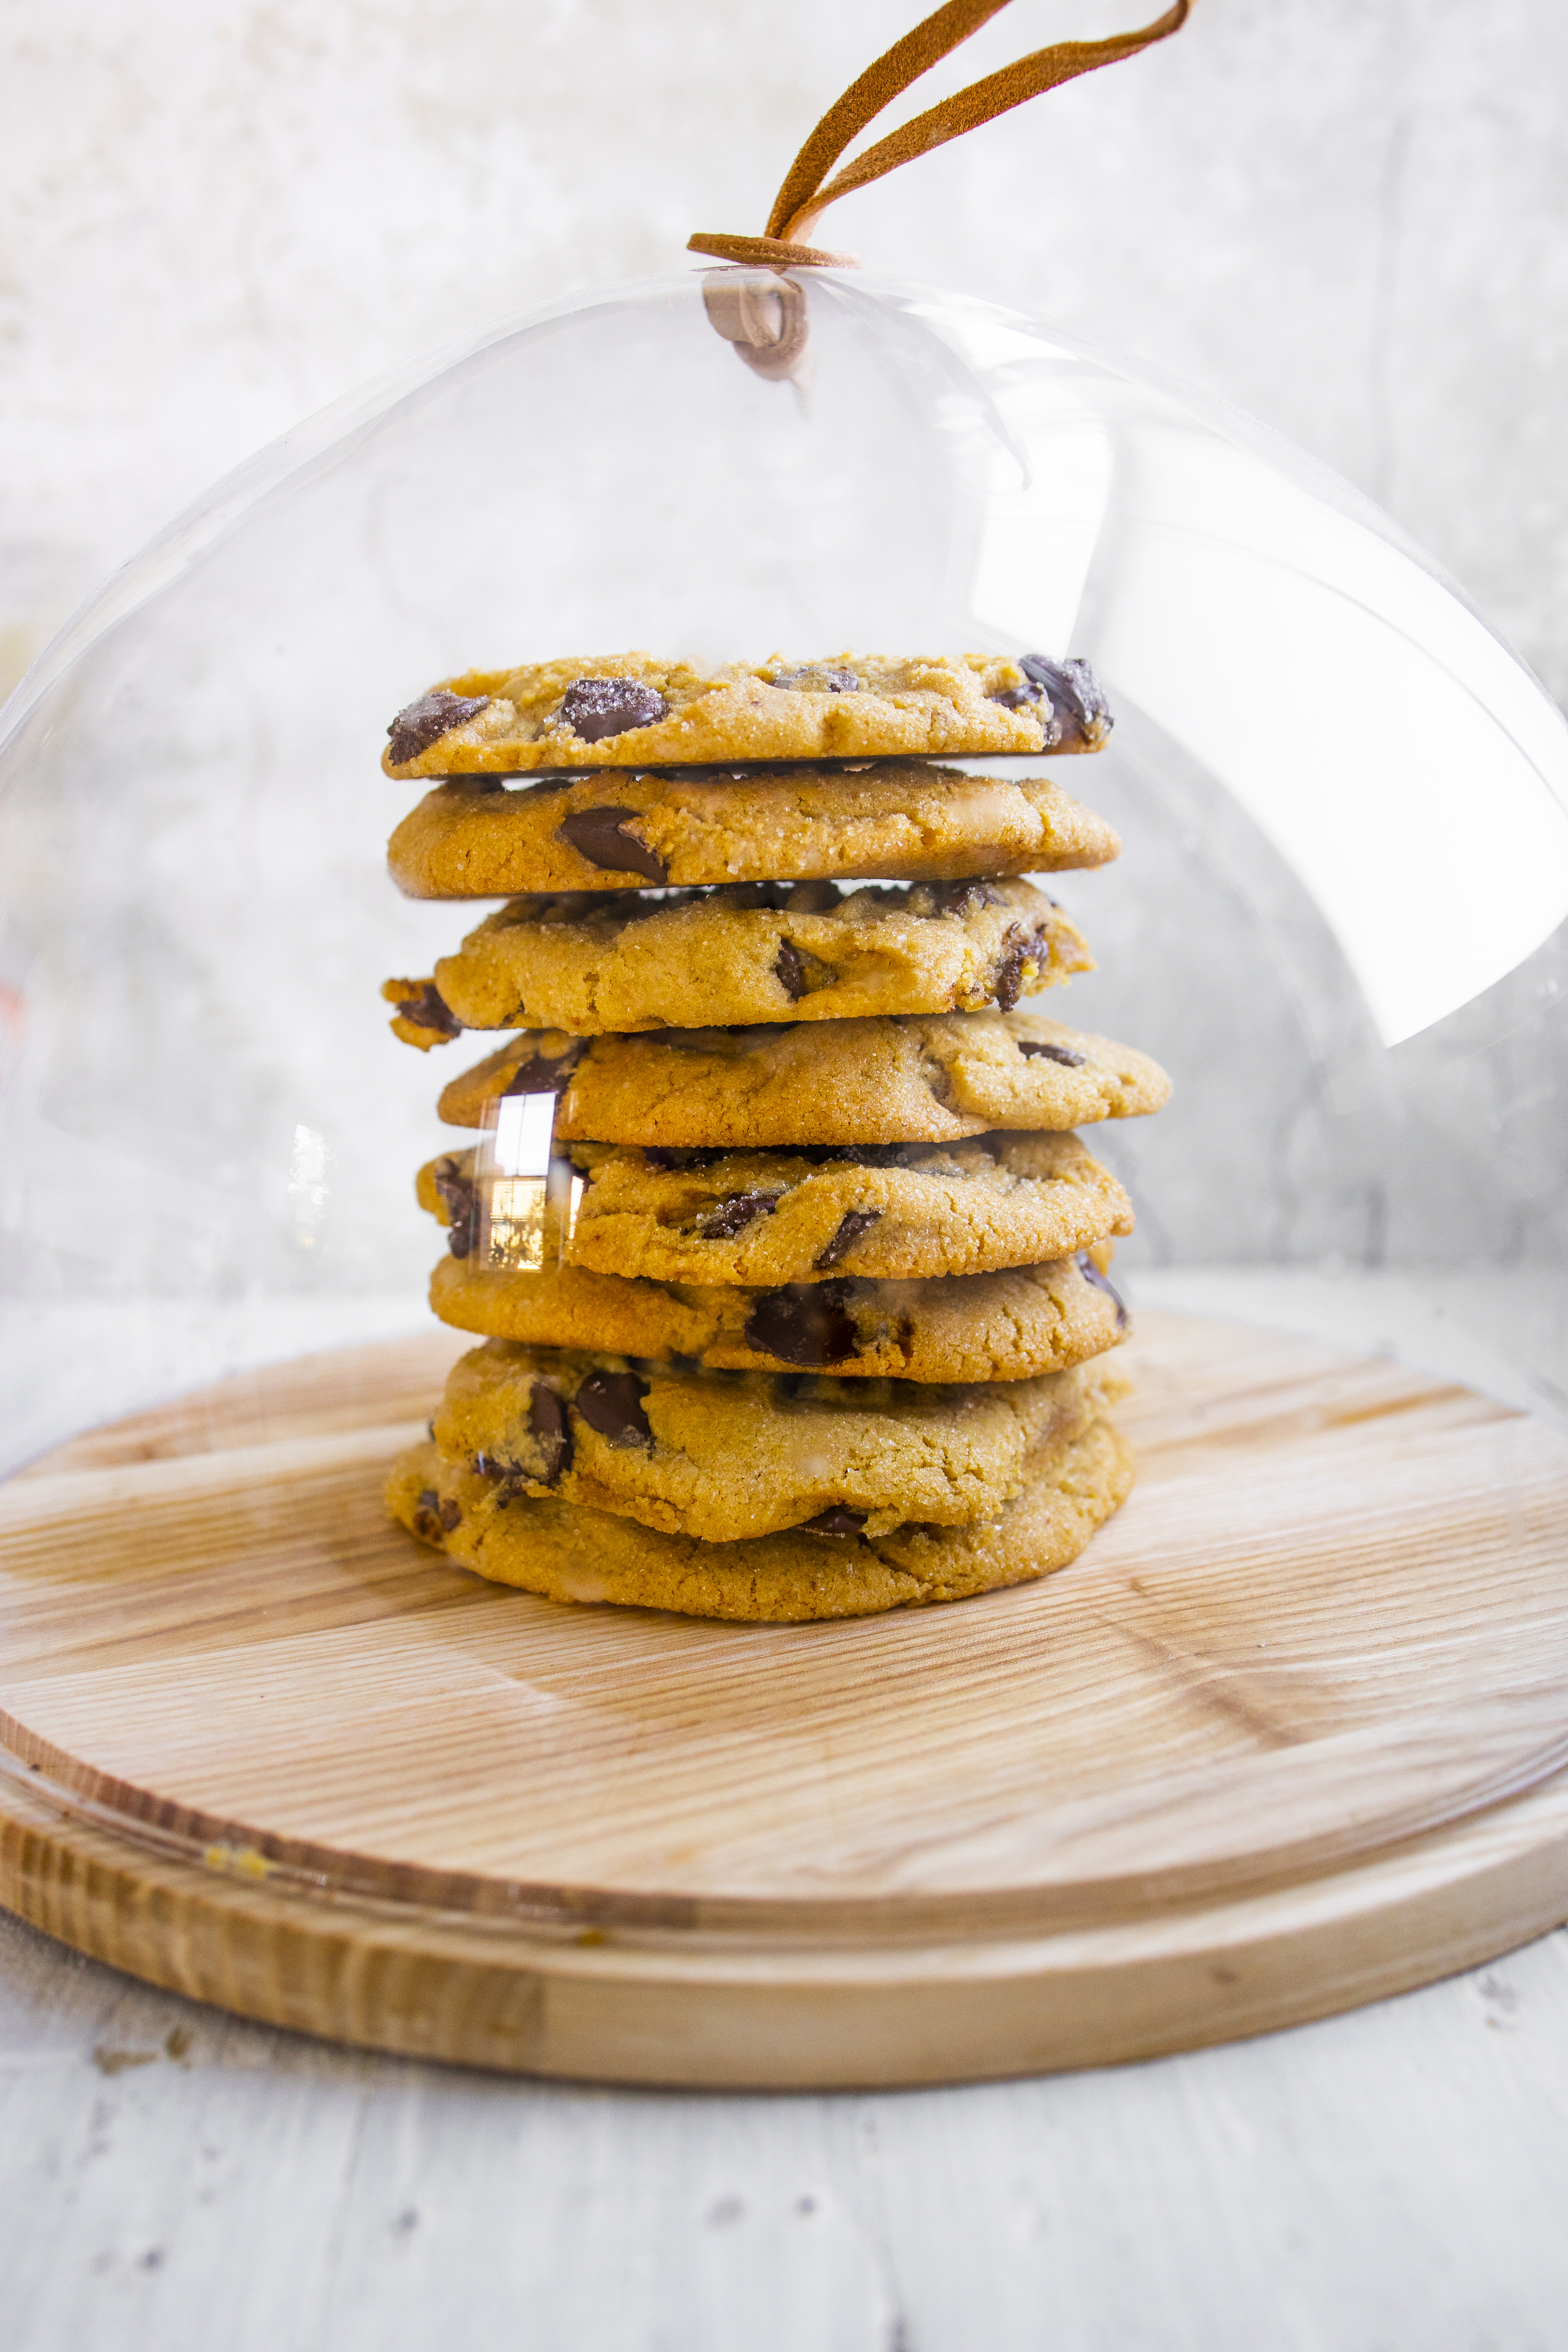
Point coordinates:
pixel 734 1215
pixel 427 1516
pixel 812 680
pixel 837 1521
pixel 1019 948
pixel 425 721
pixel 595 707
pixel 1038 1050
pixel 430 1010
pixel 1091 1273
pixel 543 1074
pixel 1016 698
pixel 1077 702
pixel 450 1514
pixel 460 1194
pixel 548 1425
pixel 603 836
pixel 807 1323
pixel 509 1479
pixel 850 1228
pixel 611 1402
pixel 790 968
pixel 954 898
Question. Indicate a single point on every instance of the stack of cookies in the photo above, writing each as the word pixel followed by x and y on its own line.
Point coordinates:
pixel 790 1269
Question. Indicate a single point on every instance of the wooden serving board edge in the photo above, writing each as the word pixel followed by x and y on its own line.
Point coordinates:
pixel 766 2018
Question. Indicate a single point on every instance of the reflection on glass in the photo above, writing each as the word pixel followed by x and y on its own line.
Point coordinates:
pixel 527 1193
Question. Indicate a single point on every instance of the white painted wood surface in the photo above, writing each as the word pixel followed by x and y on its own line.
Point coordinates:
pixel 1391 2182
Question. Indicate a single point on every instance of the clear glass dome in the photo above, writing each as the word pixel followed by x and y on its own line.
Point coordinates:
pixel 1339 922
pixel 1338 919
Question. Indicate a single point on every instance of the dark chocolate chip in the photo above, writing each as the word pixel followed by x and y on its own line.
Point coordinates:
pixel 509 1478
pixel 603 837
pixel 547 1421
pixel 850 1227
pixel 425 721
pixel 726 1218
pixel 1078 700
pixel 1018 948
pixel 595 707
pixel 957 898
pixel 818 681
pixel 1038 1050
pixel 807 1323
pixel 837 1521
pixel 428 1009
pixel 1091 1273
pixel 450 1514
pixel 460 1197
pixel 543 1074
pixel 790 968
pixel 611 1402
pixel 1016 698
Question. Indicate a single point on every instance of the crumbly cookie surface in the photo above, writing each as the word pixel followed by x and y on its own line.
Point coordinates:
pixel 900 820
pixel 1006 1326
pixel 547 1546
pixel 726 1456
pixel 754 951
pixel 842 1082
pixel 634 709
pixel 884 1212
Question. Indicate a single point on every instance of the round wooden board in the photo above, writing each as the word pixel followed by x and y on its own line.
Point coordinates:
pixel 1292 1734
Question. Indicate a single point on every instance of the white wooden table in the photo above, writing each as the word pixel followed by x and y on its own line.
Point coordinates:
pixel 1395 2180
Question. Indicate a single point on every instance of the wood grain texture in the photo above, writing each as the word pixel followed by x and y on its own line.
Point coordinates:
pixel 1286 1738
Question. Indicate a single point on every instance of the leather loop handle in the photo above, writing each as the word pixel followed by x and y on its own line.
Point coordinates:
pixel 807 189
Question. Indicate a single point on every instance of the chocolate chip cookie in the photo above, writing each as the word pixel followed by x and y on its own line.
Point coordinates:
pixel 727 1456
pixel 871 1081
pixel 751 951
pixel 901 819
pixel 634 709
pixel 974 1326
pixel 886 1212
pixel 578 1554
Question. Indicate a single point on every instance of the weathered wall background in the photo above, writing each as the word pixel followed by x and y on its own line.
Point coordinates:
pixel 1344 214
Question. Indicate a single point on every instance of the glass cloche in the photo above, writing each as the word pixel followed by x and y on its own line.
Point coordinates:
pixel 1338 918
pixel 1330 1628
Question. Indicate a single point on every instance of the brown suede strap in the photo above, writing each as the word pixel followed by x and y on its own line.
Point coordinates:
pixel 803 194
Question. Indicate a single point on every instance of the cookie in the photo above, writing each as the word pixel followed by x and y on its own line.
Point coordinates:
pixel 548 1546
pixel 886 1212
pixel 971 1326
pixel 899 820
pixel 727 1456
pixel 751 951
pixel 842 1082
pixel 633 710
